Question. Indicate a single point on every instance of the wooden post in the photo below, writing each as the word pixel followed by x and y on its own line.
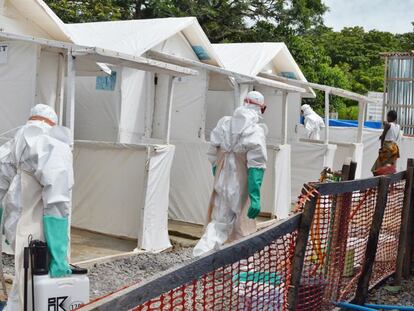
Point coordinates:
pixel 410 229
pixel 384 99
pixel 346 169
pixel 363 282
pixel 60 90
pixel 403 251
pixel 352 170
pixel 237 94
pixel 361 119
pixel 70 94
pixel 167 130
pixel 284 117
pixel 327 93
pixel 300 250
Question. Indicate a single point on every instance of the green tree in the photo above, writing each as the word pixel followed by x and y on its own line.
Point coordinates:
pixel 72 11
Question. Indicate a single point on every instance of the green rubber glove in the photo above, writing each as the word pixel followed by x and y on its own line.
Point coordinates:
pixel 254 182
pixel 56 234
pixel 214 170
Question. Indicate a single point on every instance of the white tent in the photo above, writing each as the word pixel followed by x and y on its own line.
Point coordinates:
pixel 21 62
pixel 141 121
pixel 41 69
pixel 281 116
pixel 146 111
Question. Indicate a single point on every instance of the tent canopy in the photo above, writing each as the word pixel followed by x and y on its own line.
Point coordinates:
pixel 31 17
pixel 136 37
pixel 253 58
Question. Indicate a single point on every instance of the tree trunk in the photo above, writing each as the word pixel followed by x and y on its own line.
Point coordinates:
pixel 138 9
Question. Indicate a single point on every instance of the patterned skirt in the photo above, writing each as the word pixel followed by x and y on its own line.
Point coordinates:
pixel 387 157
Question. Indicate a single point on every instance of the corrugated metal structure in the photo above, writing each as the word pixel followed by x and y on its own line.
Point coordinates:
pixel 399 84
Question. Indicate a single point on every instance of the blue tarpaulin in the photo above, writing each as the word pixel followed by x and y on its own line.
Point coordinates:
pixel 351 123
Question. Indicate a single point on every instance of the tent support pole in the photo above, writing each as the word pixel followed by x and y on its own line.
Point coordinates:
pixel 327 93
pixel 70 94
pixel 60 88
pixel 284 117
pixel 202 132
pixel 361 118
pixel 384 98
pixel 236 95
pixel 169 109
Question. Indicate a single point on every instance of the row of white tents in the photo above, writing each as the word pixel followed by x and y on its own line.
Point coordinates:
pixel 141 98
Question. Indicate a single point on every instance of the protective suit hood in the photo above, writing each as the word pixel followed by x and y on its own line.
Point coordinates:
pixel 306 109
pixel 243 117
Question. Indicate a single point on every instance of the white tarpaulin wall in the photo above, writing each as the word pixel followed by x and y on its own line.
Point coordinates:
pixel 371 145
pixel 104 177
pixel 17 84
pixel 192 182
pixel 154 215
pixel 28 76
pixel 308 160
pixel 280 184
pixel 110 187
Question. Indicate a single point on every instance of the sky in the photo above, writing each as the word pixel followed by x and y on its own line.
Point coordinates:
pixel 387 15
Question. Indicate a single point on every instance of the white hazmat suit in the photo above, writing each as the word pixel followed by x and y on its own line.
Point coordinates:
pixel 238 155
pixel 36 178
pixel 313 122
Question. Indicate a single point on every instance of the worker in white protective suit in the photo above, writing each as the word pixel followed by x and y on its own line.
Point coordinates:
pixel 238 155
pixel 313 122
pixel 36 178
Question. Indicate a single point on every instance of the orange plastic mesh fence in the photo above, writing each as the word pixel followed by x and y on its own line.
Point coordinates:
pixel 259 282
pixel 337 244
pixel 386 256
pixel 334 257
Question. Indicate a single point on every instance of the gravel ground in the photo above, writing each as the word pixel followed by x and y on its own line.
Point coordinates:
pixel 405 296
pixel 8 264
pixel 108 277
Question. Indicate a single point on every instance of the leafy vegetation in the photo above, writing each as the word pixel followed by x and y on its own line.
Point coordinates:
pixel 347 59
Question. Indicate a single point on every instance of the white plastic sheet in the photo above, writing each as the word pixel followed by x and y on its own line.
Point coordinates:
pixel 276 188
pixel 98 112
pixel 48 78
pixel 135 37
pixel 191 183
pixel 109 188
pixel 308 160
pixel 155 214
pixel 17 85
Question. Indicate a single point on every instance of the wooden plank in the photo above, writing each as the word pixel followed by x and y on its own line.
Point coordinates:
pixel 139 293
pixel 402 268
pixel 182 61
pixel 347 186
pixel 299 254
pixel 363 281
pixel 397 176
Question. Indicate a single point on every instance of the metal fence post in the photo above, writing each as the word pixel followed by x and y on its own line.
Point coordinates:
pixel 300 250
pixel 371 250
